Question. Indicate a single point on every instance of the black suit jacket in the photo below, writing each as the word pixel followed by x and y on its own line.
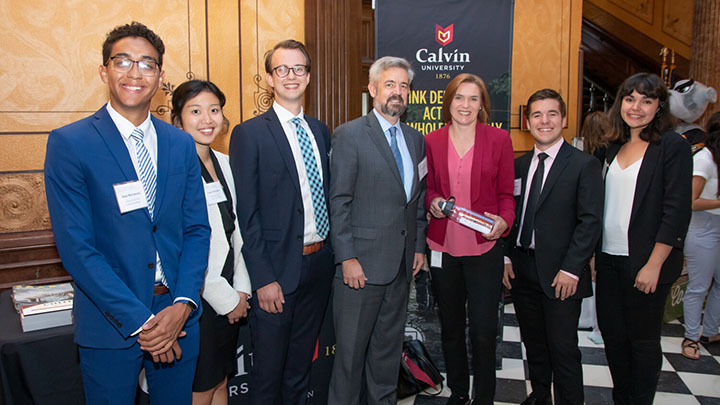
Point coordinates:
pixel 662 203
pixel 269 203
pixel 568 217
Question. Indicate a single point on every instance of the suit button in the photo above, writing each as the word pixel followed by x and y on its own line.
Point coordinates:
pixel 154 228
pixel 402 232
pixel 299 236
pixel 151 266
pixel 299 211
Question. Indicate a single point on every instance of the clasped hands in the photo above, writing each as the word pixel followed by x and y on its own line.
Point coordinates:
pixel 159 335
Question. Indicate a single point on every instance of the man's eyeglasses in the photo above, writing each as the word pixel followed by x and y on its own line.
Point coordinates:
pixel 123 64
pixel 283 70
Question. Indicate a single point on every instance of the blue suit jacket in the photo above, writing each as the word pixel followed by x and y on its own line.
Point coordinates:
pixel 111 256
pixel 269 207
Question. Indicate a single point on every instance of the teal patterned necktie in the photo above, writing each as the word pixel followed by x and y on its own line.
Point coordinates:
pixel 313 174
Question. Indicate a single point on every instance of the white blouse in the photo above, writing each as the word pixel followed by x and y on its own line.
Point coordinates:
pixel 619 195
pixel 704 166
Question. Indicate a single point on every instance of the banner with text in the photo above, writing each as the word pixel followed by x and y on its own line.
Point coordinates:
pixel 443 38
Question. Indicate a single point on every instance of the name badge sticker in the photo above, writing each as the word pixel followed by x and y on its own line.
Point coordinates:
pixel 435 259
pixel 422 168
pixel 130 196
pixel 517 188
pixel 214 193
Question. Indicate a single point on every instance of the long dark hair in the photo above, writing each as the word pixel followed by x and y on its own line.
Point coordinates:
pixel 594 131
pixel 649 85
pixel 712 142
pixel 189 90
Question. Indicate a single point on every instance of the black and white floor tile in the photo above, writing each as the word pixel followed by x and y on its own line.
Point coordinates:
pixel 682 381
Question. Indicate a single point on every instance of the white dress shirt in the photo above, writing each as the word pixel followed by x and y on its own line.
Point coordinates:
pixel 125 127
pixel 552 152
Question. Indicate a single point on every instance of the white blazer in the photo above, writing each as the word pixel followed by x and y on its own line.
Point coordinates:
pixel 216 290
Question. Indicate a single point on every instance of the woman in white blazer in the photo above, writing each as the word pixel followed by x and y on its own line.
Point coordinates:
pixel 197 109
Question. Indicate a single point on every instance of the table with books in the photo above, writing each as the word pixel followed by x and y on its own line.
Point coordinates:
pixel 39 366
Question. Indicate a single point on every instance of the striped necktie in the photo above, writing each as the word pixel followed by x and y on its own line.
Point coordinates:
pixel 146 169
pixel 149 181
pixel 313 174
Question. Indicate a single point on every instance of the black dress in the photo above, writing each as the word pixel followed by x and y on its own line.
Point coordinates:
pixel 218 338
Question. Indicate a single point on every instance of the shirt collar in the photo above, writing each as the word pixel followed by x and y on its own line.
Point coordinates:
pixel 384 124
pixel 284 115
pixel 551 151
pixel 124 125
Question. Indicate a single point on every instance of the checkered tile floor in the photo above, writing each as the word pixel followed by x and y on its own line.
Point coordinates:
pixel 682 381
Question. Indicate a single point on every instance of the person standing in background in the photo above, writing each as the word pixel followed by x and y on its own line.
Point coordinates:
pixel 701 247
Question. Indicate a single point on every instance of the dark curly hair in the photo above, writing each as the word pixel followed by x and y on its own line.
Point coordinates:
pixel 649 85
pixel 134 29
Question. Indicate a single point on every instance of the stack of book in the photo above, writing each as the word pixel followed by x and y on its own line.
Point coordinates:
pixel 43 306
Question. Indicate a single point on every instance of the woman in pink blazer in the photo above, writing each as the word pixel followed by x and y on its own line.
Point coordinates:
pixel 473 162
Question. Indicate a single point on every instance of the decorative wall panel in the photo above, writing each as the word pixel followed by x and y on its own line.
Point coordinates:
pixel 52 51
pixel 546 41
pixel 22 202
pixel 263 25
pixel 668 22
pixel 642 9
pixel 677 21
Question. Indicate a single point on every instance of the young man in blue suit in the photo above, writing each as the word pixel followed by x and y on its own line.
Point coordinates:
pixel 127 206
pixel 280 164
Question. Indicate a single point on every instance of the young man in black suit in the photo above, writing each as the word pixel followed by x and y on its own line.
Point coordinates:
pixel 559 207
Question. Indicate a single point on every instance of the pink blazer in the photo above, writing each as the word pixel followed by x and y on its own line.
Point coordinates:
pixel 491 180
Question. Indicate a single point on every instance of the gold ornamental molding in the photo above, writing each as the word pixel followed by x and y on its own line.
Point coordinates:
pixel 22 202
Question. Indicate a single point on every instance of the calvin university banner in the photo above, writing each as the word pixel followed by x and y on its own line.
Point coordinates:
pixel 443 38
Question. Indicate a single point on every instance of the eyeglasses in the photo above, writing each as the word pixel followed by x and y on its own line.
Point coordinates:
pixel 122 64
pixel 284 70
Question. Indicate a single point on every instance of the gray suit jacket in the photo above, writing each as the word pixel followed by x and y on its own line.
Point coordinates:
pixel 370 218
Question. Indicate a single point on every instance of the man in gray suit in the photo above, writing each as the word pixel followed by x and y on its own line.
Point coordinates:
pixel 377 229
